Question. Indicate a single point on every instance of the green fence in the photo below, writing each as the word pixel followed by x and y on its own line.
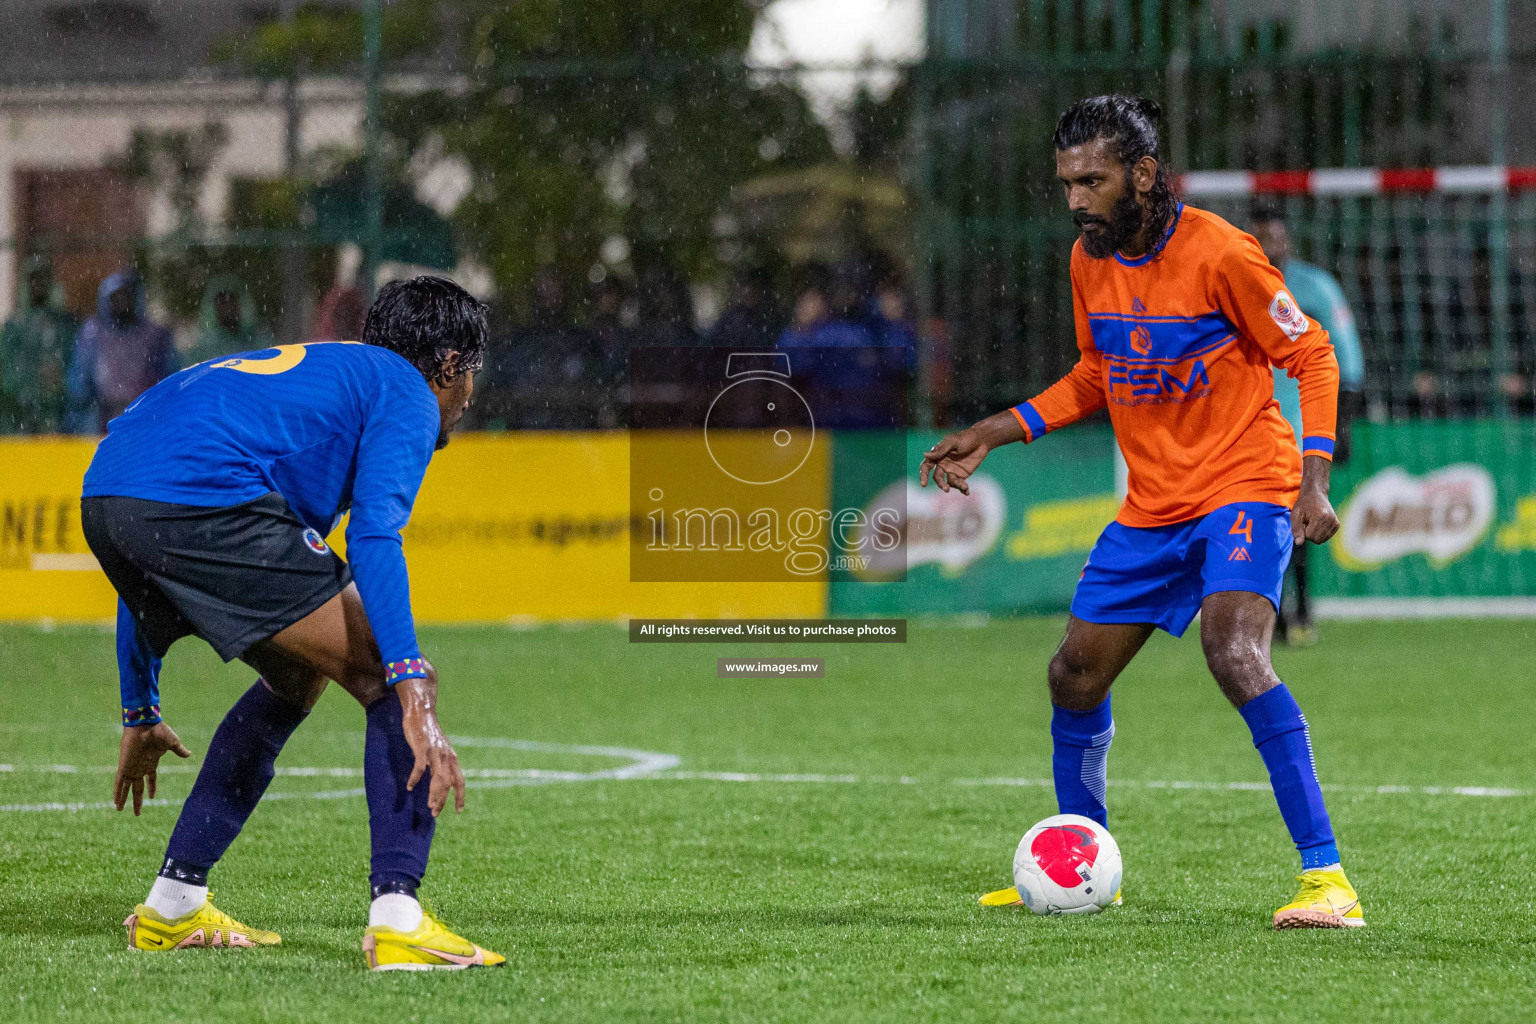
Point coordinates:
pixel 1440 285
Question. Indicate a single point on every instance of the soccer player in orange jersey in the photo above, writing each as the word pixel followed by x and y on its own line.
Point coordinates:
pixel 1179 319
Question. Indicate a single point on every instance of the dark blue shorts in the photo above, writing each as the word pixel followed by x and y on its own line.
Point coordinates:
pixel 1161 574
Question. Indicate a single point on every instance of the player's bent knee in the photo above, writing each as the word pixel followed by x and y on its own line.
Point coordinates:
pixel 1242 670
pixel 1075 684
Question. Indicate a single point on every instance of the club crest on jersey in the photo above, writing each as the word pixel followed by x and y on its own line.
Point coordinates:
pixel 1287 315
pixel 315 543
pixel 1141 339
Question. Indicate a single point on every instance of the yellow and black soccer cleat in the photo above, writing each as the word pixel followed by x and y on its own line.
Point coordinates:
pixel 431 947
pixel 1326 900
pixel 206 927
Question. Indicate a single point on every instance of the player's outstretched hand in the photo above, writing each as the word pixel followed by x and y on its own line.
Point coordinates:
pixel 951 462
pixel 138 759
pixel 433 752
pixel 1313 518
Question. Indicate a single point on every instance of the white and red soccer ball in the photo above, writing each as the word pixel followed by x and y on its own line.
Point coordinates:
pixel 1067 864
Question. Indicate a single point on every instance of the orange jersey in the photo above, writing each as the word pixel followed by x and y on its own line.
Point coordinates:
pixel 1178 345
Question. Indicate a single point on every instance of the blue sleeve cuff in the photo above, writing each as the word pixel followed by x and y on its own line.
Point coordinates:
pixel 1030 420
pixel 1314 445
pixel 410 668
pixel 134 717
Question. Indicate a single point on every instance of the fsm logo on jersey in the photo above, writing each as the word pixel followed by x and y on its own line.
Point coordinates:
pixel 1138 384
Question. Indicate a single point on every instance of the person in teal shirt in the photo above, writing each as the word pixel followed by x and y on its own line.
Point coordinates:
pixel 35 348
pixel 1320 297
pixel 228 322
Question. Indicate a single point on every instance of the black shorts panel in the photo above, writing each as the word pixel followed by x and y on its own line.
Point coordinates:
pixel 232 576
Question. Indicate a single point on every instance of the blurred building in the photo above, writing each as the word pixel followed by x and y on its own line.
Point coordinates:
pixel 79 79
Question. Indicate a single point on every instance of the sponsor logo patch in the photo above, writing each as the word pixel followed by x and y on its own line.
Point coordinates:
pixel 1287 315
pixel 1441 515
pixel 315 542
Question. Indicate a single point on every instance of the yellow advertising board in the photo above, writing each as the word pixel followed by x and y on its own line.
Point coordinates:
pixel 508 527
pixel 46 570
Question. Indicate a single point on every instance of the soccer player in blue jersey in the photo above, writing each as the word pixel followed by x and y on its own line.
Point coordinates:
pixel 207 506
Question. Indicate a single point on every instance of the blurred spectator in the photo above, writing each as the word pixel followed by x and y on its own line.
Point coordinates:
pixel 544 374
pixel 1321 298
pixel 119 354
pixel 849 381
pixel 830 309
pixel 611 338
pixel 34 356
pixel 227 322
pixel 340 314
pixel 751 319
pixel 666 309
pixel 891 312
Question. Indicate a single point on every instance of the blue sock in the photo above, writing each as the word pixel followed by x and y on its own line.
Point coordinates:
pixel 1280 733
pixel 1080 761
pixel 235 773
pixel 400 824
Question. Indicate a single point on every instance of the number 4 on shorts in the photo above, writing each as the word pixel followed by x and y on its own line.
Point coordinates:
pixel 1244 526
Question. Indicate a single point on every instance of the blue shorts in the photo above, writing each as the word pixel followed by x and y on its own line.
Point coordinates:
pixel 1160 574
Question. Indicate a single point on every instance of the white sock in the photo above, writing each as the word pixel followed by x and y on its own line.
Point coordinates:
pixel 395 910
pixel 172 899
pixel 1327 867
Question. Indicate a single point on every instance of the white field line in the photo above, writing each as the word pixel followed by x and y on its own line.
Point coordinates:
pixel 1263 787
pixel 652 766
pixel 642 763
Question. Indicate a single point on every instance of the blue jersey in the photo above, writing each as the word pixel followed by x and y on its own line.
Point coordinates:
pixel 330 427
pixel 1321 298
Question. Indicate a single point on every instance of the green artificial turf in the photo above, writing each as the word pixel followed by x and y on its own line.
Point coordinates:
pixel 845 897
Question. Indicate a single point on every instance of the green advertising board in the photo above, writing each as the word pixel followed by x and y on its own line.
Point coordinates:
pixel 1434 510
pixel 1016 545
pixel 1438 509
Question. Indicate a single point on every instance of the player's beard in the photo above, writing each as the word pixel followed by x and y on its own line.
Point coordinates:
pixel 1118 230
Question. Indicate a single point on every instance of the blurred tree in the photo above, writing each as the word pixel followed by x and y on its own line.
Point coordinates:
pixel 881 125
pixel 612 128
pixel 174 163
pixel 593 130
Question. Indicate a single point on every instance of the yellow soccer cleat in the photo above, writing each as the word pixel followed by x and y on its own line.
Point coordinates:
pixel 1326 900
pixel 431 947
pixel 207 926
pixel 1009 897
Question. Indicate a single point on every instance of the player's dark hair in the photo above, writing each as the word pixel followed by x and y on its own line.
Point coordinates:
pixel 426 318
pixel 1130 122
